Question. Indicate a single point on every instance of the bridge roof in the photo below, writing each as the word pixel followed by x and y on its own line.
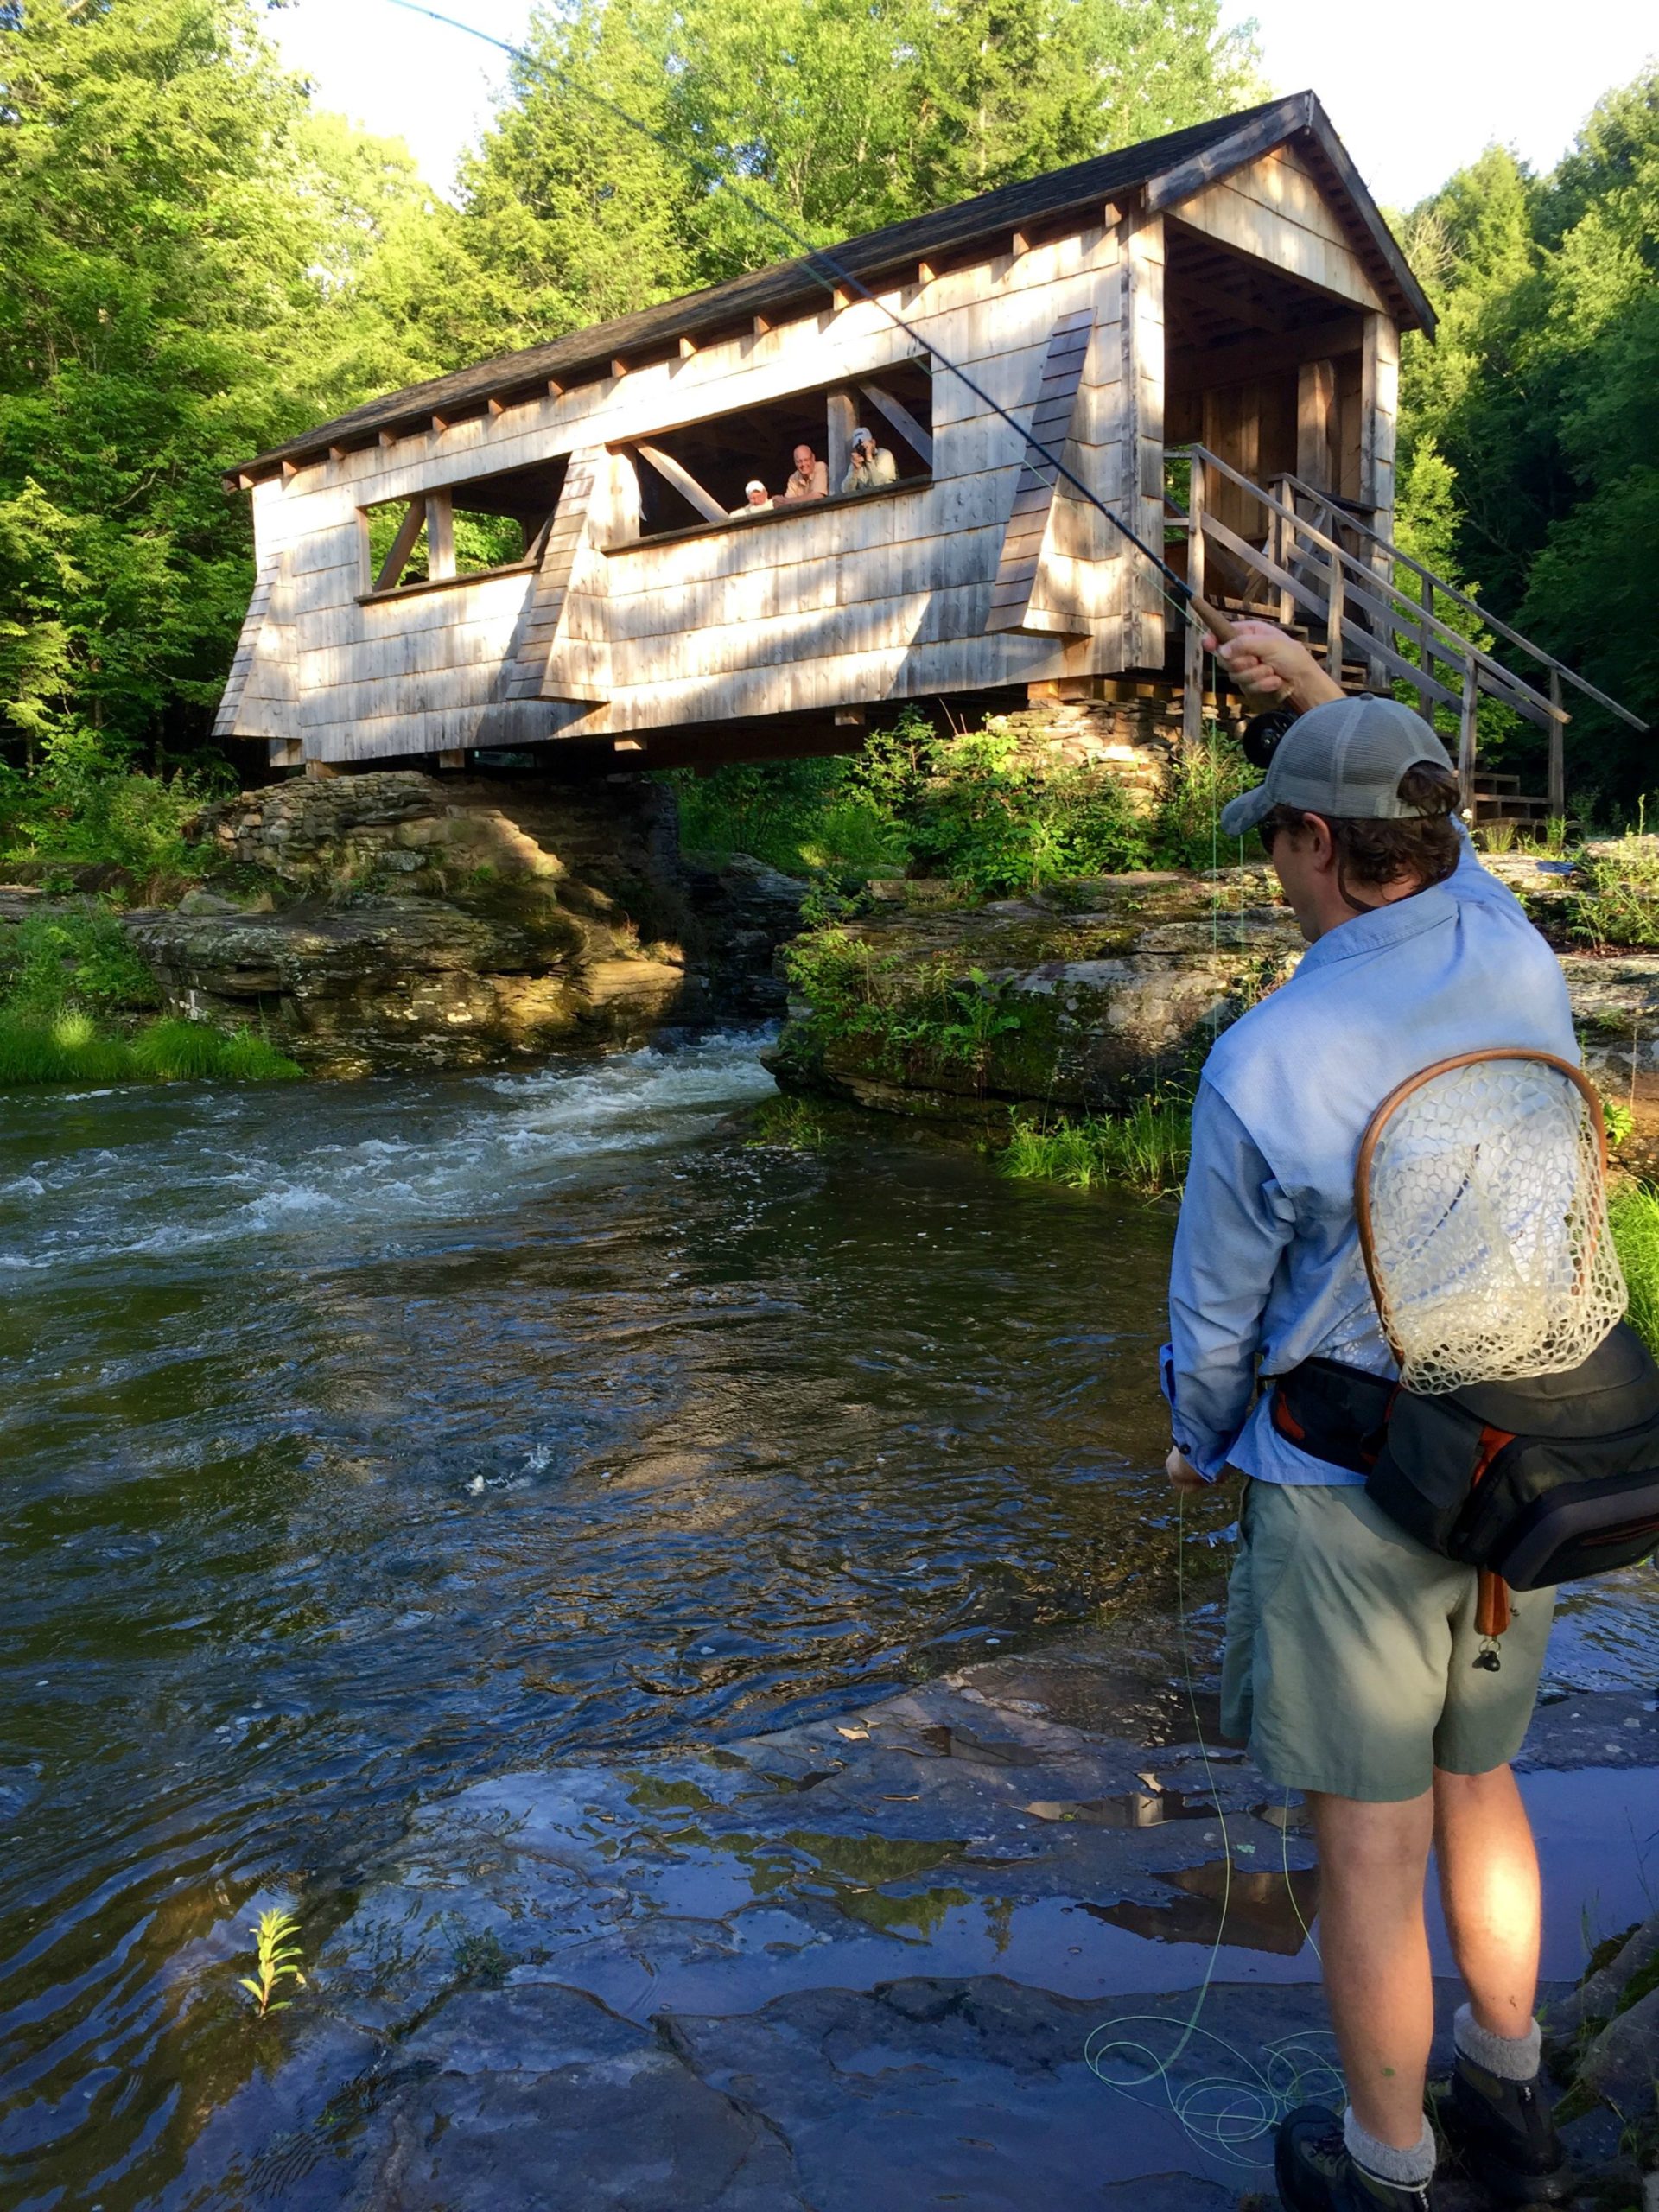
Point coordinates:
pixel 1165 170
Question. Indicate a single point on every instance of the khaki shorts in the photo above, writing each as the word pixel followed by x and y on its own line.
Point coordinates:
pixel 1350 1650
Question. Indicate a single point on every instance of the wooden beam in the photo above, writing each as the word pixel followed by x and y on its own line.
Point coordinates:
pixel 1236 151
pixel 555 389
pixel 244 482
pixel 387 441
pixel 1316 416
pixel 1233 360
pixel 1557 751
pixel 842 420
pixel 902 421
pixel 336 452
pixel 497 407
pixel 688 347
pixel 619 367
pixel 849 718
pixel 926 272
pixel 403 545
pixel 627 745
pixel 290 470
pixel 762 327
pixel 683 483
pixel 1019 244
pixel 440 424
pixel 440 536
pixel 842 297
pixel 1466 731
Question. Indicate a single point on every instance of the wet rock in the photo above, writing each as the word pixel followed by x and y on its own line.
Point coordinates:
pixel 1621 2066
pixel 1597 1995
pixel 543 2100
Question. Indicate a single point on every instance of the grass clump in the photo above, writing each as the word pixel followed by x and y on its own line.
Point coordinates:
pixel 1146 1146
pixel 787 1124
pixel 68 971
pixel 1633 1208
pixel 71 1047
pixel 1619 903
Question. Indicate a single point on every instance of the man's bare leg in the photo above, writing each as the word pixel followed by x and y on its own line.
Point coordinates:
pixel 1489 1889
pixel 1373 1863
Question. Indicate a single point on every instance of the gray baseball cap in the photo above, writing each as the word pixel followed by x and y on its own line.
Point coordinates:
pixel 1342 759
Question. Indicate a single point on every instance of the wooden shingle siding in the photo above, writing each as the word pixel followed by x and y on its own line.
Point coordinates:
pixel 1034 499
pixel 526 667
pixel 987 576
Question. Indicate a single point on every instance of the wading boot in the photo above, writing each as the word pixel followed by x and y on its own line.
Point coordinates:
pixel 1505 2135
pixel 1316 2173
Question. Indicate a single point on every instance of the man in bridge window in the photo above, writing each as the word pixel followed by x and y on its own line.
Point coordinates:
pixel 756 499
pixel 811 476
pixel 870 467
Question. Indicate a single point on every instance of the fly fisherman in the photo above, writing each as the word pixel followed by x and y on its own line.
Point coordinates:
pixel 1353 1663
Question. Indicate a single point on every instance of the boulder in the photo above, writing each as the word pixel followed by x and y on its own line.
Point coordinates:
pixel 1080 1002
pixel 411 984
pixel 392 921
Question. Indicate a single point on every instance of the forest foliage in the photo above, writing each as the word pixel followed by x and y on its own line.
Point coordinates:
pixel 195 262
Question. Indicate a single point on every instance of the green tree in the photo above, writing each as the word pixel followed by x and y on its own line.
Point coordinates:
pixel 1530 452
pixel 175 228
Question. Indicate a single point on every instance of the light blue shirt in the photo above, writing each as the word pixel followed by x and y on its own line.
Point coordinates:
pixel 1267 1269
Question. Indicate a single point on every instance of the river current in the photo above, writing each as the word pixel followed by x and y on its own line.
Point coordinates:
pixel 360 1442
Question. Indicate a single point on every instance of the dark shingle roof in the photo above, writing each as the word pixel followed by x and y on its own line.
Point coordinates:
pixel 1174 167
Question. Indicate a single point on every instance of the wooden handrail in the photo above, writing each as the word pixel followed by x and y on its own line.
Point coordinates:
pixel 1472 606
pixel 1503 682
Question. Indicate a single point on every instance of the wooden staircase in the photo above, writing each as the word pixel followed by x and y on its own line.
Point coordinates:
pixel 1315 564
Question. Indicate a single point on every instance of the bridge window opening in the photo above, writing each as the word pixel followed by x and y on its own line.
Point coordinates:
pixel 696 478
pixel 474 529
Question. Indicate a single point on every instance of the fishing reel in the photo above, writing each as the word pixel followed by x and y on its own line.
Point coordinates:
pixel 1263 733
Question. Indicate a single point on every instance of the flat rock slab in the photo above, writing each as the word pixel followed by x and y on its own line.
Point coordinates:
pixel 897 1959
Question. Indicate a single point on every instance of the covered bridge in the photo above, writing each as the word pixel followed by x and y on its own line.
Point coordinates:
pixel 542 547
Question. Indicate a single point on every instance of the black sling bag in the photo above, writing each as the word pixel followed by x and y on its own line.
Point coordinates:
pixel 1532 1482
pixel 1535 1482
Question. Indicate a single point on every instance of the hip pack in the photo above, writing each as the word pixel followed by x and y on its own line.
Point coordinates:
pixel 1535 1482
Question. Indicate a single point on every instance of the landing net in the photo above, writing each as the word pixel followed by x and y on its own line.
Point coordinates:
pixel 1482 1200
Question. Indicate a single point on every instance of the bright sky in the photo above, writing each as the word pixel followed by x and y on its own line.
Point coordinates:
pixel 1416 88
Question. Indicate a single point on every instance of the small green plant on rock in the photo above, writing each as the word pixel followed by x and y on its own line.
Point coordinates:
pixel 278 1953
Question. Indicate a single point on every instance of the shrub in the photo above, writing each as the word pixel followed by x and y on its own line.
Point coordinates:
pixel 1619 903
pixel 84 801
pixel 77 955
pixel 1195 787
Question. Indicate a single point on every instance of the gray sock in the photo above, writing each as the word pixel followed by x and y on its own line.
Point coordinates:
pixel 1408 2168
pixel 1511 2058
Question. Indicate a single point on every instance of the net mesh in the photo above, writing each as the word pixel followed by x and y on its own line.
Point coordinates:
pixel 1492 1256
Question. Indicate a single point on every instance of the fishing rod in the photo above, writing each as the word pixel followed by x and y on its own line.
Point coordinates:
pixel 833 276
pixel 1221 2113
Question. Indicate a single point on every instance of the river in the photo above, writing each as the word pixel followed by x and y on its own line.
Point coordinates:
pixel 360 1442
